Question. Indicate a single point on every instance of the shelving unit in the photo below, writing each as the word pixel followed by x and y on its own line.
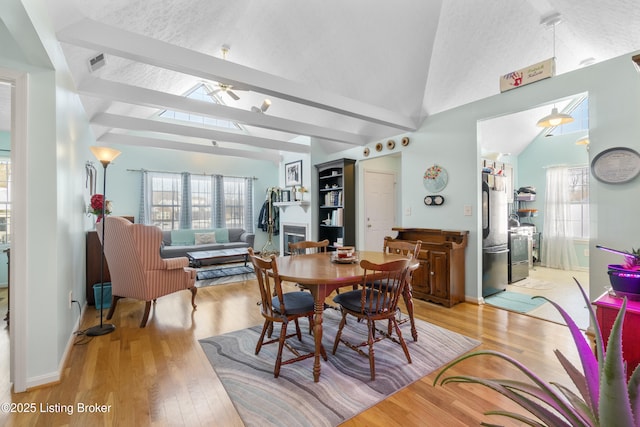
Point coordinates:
pixel 336 202
pixel 523 210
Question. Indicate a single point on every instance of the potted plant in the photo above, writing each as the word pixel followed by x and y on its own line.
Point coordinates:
pixel 604 398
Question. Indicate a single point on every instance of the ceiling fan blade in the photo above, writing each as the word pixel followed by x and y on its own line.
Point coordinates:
pixel 233 95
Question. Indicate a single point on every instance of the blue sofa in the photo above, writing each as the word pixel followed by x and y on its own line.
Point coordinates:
pixel 176 243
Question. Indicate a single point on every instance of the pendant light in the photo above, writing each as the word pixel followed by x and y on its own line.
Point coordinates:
pixel 555 118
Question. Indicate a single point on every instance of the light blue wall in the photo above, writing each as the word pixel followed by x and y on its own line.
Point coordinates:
pixel 5 148
pixel 450 139
pixel 123 186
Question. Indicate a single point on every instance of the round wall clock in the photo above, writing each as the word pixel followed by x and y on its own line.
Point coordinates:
pixel 616 165
pixel 435 179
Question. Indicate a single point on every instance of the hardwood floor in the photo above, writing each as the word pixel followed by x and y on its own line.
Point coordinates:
pixel 159 375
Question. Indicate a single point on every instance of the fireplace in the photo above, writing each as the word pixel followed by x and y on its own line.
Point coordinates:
pixel 292 233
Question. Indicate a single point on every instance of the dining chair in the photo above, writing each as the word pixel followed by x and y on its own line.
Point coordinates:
pixel 376 299
pixel 280 307
pixel 307 247
pixel 411 250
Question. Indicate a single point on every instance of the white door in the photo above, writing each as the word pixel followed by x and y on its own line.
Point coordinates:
pixel 379 208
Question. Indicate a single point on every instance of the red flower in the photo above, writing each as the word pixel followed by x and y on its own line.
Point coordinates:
pixel 97 200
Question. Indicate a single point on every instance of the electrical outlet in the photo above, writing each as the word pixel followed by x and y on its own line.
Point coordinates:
pixel 468 210
pixel 70 299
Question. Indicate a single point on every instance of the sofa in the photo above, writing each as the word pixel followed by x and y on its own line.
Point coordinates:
pixel 176 243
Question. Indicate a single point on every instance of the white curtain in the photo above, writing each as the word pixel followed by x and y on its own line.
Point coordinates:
pixel 557 242
pixel 144 212
pixel 185 202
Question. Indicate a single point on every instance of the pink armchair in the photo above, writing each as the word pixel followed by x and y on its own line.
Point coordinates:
pixel 137 270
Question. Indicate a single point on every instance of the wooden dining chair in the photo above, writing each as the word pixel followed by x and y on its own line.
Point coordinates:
pixel 411 250
pixel 280 307
pixel 307 247
pixel 376 299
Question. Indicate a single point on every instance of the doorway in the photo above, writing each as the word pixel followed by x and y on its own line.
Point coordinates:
pixel 515 140
pixel 380 207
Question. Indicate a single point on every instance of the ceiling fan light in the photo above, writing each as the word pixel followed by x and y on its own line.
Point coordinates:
pixel 554 119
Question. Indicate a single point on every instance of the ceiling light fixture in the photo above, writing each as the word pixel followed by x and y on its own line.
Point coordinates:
pixel 555 118
pixel 263 108
pixel 584 141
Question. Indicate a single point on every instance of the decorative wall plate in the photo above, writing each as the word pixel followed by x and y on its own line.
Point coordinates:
pixel 405 141
pixel 366 152
pixel 435 179
pixel 391 144
pixel 616 165
pixel 379 146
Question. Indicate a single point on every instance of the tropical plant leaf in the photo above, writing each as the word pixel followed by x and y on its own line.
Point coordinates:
pixel 545 415
pixel 634 394
pixel 578 403
pixel 578 379
pixel 517 417
pixel 615 408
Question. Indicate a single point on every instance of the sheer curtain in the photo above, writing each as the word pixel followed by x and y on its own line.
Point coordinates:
pixel 557 243
pixel 219 219
pixel 144 212
pixel 185 203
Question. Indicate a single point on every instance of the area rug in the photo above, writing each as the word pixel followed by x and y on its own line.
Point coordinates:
pixel 533 283
pixel 514 301
pixel 345 387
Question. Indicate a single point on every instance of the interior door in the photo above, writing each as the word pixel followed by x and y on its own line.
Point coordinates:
pixel 379 208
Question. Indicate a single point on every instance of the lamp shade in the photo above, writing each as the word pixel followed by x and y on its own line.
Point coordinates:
pixel 554 119
pixel 105 154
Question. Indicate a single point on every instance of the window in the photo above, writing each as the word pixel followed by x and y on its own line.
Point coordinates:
pixel 200 92
pixel 212 201
pixel 5 201
pixel 579 201
pixel 580 123
pixel 165 200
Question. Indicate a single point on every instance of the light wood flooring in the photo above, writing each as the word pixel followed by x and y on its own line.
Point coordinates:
pixel 159 376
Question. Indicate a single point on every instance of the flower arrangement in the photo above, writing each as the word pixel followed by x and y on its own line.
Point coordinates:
pixel 95 207
pixel 604 397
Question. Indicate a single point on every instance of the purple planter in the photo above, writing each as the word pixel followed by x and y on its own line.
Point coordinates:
pixel 625 282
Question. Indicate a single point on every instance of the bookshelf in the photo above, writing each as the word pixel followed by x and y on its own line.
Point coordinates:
pixel 336 202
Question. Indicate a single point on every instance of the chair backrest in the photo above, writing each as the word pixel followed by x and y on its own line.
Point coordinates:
pixel 308 246
pixel 402 247
pixel 385 283
pixel 266 271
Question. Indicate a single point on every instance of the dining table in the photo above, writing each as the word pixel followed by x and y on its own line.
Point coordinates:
pixel 323 273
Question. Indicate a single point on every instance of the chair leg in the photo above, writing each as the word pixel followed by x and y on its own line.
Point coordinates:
pixel 265 327
pixel 194 291
pixel 283 337
pixel 339 334
pixel 298 333
pixel 114 302
pixel 372 361
pixel 145 316
pixel 402 341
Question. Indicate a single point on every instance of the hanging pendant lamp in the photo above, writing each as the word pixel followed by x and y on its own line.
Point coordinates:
pixel 555 118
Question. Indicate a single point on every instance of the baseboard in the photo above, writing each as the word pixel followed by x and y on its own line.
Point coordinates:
pixel 56 377
pixel 474 300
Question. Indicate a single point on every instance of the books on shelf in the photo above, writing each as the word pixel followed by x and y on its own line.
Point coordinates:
pixel 333 198
pixel 336 217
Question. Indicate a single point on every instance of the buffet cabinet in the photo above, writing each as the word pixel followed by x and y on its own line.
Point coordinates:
pixel 441 275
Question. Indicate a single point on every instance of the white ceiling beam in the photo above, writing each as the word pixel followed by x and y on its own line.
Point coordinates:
pixel 136 95
pixel 137 124
pixel 104 38
pixel 140 141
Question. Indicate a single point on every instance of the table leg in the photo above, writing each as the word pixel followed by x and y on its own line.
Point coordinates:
pixel 319 296
pixel 408 300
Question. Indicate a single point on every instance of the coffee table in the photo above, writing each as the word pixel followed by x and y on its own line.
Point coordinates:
pixel 197 257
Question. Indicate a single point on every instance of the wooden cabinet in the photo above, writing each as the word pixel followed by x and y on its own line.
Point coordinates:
pixel 607 308
pixel 441 276
pixel 337 202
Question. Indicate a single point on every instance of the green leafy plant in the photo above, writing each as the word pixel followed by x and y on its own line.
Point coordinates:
pixel 604 397
pixel 632 262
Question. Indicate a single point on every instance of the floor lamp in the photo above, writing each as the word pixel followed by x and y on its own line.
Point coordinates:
pixel 105 155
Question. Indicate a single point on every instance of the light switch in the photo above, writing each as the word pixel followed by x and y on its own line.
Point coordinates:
pixel 467 210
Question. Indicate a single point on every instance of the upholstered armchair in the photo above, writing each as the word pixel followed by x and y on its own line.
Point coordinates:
pixel 137 270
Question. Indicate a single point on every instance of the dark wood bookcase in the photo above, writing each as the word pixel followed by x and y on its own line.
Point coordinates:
pixel 337 202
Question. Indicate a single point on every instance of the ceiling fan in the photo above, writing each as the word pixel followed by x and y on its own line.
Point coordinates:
pixel 223 87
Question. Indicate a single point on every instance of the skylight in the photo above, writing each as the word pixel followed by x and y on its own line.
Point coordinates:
pixel 200 92
pixel 580 114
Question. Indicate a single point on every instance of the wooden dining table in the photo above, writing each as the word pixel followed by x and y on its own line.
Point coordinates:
pixel 321 276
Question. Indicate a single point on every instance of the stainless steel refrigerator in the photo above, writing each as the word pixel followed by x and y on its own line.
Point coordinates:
pixel 494 234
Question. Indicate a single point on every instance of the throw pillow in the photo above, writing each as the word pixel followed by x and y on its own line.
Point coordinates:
pixel 222 235
pixel 205 238
pixel 182 237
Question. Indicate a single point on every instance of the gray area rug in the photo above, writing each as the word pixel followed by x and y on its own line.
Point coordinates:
pixel 345 388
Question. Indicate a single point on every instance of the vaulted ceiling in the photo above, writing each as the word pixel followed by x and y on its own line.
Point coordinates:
pixel 342 72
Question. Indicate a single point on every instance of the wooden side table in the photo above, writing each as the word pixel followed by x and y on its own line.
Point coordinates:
pixel 607 308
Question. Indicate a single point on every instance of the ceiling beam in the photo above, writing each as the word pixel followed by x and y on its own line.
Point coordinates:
pixel 136 95
pixel 104 38
pixel 140 141
pixel 137 124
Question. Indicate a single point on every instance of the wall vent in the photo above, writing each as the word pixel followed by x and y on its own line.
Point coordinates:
pixel 96 62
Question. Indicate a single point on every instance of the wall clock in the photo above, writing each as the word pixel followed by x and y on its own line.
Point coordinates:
pixel 435 179
pixel 616 165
